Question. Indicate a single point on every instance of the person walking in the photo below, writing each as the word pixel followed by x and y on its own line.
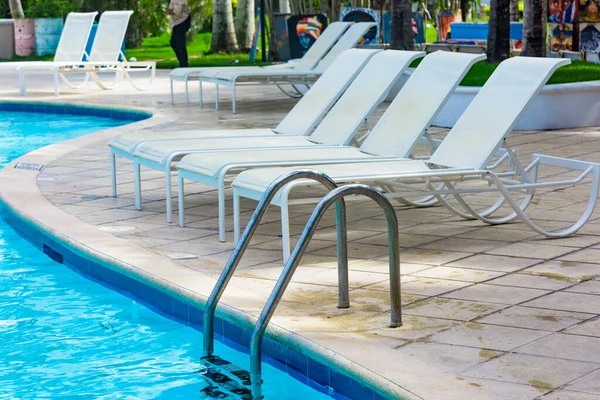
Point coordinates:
pixel 179 11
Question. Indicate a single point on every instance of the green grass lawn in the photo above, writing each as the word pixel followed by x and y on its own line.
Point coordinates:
pixel 578 71
pixel 158 49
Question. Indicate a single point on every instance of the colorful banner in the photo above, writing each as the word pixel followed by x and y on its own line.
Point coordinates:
pixel 561 37
pixel 303 31
pixel 589 38
pixel 418 27
pixel 589 10
pixel 351 14
pixel 562 11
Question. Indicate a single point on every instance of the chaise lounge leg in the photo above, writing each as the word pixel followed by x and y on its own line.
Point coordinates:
pixel 22 89
pixel 221 196
pixel 169 204
pixel 201 94
pixel 113 172
pixel 172 93
pixel 137 183
pixel 181 200
pixel 187 93
pixel 285 233
pixel 55 83
pixel 233 99
pixel 236 217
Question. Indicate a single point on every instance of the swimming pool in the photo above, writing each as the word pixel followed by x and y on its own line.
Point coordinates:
pixel 65 336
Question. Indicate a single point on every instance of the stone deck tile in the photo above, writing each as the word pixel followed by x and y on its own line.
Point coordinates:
pixel 491 337
pixel 589 287
pixel 471 292
pixel 536 318
pixel 587 328
pixel 568 347
pixel 540 372
pixel 569 395
pixel 587 384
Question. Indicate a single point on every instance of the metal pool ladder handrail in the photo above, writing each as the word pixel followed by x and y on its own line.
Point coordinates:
pixel 394 260
pixel 242 244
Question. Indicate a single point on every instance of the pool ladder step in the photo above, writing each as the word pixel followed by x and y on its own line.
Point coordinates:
pixel 225 380
pixel 335 196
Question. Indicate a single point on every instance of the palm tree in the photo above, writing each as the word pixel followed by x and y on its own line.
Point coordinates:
pixel 534 28
pixel 16 9
pixel 244 23
pixel 498 43
pixel 514 11
pixel 223 32
pixel 402 37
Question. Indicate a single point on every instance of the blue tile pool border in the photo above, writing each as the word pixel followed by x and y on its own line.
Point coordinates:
pixel 73 109
pixel 323 378
pixel 234 330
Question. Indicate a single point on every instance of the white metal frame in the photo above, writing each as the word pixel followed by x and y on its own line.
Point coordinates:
pixel 446 181
pixel 289 78
pixel 329 90
pixel 166 167
pixel 283 76
pixel 464 155
pixel 227 169
pixel 342 77
pixel 91 69
pixel 192 74
pixel 104 57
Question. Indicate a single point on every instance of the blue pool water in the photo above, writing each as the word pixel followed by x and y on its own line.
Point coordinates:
pixel 64 336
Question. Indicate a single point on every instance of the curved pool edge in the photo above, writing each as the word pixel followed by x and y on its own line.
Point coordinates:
pixel 51 227
pixel 118 113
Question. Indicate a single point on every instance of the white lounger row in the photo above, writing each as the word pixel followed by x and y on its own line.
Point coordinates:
pixel 444 70
pixel 411 113
pixel 310 59
pixel 461 158
pixel 306 71
pixel 71 58
pixel 301 120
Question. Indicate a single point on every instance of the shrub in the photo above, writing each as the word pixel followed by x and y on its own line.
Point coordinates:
pixel 51 8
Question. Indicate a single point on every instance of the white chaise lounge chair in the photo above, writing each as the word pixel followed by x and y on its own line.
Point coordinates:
pixel 314 54
pixel 298 75
pixel 103 58
pixel 70 49
pixel 160 154
pixel 300 121
pixel 462 157
pixel 395 135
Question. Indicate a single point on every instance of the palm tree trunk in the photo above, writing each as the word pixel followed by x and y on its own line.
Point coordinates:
pixel 514 10
pixel 244 23
pixel 223 31
pixel 402 37
pixel 498 43
pixel 464 9
pixel 335 10
pixel 534 28
pixel 16 9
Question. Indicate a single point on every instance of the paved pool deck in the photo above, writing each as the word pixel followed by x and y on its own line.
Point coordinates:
pixel 490 312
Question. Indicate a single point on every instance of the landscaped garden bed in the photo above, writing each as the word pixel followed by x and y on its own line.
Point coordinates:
pixel 570 99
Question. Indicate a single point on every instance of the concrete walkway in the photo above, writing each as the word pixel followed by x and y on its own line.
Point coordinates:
pixel 492 312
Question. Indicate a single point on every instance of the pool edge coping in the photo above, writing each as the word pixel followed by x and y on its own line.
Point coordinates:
pixel 27 212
